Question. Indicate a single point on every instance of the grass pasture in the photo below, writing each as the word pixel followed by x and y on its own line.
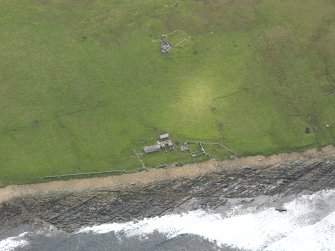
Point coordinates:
pixel 82 84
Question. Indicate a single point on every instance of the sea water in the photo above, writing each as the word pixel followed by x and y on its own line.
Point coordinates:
pixel 308 224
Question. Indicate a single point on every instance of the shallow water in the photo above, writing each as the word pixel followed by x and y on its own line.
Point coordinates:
pixel 308 224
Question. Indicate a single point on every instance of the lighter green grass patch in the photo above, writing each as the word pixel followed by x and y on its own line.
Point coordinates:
pixel 82 84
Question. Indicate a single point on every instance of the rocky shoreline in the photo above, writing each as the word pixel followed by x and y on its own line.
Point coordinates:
pixel 214 185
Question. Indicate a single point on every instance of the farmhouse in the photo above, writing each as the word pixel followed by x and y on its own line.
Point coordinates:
pixel 163 142
pixel 151 149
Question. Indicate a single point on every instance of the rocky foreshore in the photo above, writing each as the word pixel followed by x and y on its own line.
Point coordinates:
pixel 210 189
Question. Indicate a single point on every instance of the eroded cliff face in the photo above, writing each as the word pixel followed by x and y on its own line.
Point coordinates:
pixel 211 191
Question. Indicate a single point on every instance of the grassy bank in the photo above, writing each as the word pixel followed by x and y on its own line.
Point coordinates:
pixel 82 84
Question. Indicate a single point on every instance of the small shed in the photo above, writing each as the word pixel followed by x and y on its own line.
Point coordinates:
pixel 185 147
pixel 164 136
pixel 161 144
pixel 165 45
pixel 151 149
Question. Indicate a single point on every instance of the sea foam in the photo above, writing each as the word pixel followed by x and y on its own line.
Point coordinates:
pixel 11 243
pixel 308 224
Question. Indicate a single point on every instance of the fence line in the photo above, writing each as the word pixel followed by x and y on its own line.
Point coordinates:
pixel 215 143
pixel 85 174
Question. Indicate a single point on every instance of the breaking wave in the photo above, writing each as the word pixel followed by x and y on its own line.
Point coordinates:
pixel 308 224
pixel 11 243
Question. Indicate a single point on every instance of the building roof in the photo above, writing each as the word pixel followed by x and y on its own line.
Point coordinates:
pixel 151 149
pixel 164 136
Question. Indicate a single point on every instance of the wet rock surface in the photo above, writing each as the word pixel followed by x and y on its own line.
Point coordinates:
pixel 71 210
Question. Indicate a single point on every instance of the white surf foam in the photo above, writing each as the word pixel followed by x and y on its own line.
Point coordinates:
pixel 11 243
pixel 320 237
pixel 309 222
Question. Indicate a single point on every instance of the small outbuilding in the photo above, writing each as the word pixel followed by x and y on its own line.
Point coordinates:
pixel 151 149
pixel 165 45
pixel 164 136
pixel 169 143
pixel 185 147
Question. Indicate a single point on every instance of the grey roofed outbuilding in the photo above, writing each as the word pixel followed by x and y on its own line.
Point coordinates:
pixel 164 136
pixel 165 46
pixel 169 143
pixel 151 149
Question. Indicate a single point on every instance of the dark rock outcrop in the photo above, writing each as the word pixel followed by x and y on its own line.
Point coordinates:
pixel 70 211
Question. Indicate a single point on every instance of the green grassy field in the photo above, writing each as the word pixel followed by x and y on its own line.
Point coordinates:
pixel 82 84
